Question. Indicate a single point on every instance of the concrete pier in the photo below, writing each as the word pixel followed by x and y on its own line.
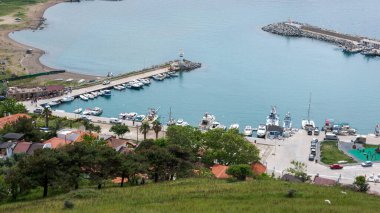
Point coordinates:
pixel 349 43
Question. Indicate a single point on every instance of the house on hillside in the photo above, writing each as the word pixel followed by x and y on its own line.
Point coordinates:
pixel 34 147
pixel 6 149
pixel 119 143
pixel 11 119
pixel 74 135
pixel 54 143
pixel 13 137
pixel 258 168
pixel 22 147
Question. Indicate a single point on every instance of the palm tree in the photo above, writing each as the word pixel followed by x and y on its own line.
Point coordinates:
pixel 144 128
pixel 157 127
pixel 46 112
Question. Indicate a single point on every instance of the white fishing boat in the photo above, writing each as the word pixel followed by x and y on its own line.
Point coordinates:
pixel 172 74
pixel 67 99
pixel 152 115
pixel 181 122
pixel 306 124
pixel 107 92
pixel 83 97
pixel 117 87
pixel 234 126
pixel 206 122
pixel 78 111
pixel 287 121
pixel 158 77
pixel 261 131
pixel 145 81
pixel 140 118
pixel 54 103
pixel 95 94
pixel 273 118
pixel 101 92
pixel 90 96
pixel 97 111
pixel 248 131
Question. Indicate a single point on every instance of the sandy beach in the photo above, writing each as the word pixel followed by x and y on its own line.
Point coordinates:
pixel 14 53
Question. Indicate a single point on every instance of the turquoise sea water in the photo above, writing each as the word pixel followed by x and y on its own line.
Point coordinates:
pixel 245 70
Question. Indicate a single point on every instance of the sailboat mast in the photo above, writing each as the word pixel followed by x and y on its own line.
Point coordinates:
pixel 308 111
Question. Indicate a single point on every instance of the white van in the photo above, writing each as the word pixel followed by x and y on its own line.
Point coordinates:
pixel 331 136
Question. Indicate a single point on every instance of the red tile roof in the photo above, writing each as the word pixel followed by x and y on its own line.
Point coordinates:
pixel 116 142
pixel 21 147
pixel 11 118
pixel 258 168
pixel 57 142
pixel 220 171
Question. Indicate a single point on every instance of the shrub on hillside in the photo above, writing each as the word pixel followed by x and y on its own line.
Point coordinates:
pixel 240 172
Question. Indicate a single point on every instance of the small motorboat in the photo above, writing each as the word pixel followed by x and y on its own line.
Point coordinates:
pixel 54 103
pixel 172 74
pixel 206 122
pixel 131 115
pixel 158 77
pixel 97 111
pixel 248 131
pixel 83 97
pixel 101 92
pixel 107 92
pixel 261 131
pixel 181 122
pixel 117 87
pixel 90 96
pixel 139 118
pixel 78 111
pixel 145 81
pixel 95 94
pixel 234 126
pixel 67 99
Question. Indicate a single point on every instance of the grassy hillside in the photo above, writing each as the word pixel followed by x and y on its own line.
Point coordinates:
pixel 205 195
pixel 10 6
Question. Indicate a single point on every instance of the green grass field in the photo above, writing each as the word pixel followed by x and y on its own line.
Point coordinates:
pixel 11 6
pixel 205 195
pixel 331 154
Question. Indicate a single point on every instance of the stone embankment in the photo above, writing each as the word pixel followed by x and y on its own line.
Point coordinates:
pixel 302 30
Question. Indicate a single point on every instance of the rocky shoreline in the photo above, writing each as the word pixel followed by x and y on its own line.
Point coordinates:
pixel 286 29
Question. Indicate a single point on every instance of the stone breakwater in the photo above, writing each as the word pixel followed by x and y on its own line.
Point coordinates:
pixel 303 30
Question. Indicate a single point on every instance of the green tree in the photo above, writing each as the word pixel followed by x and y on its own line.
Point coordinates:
pixel 299 170
pixel 46 113
pixel 91 127
pixel 228 148
pixel 11 106
pixel 361 184
pixel 186 137
pixel 119 129
pixel 157 127
pixel 26 126
pixel 240 172
pixel 131 165
pixel 43 168
pixel 144 128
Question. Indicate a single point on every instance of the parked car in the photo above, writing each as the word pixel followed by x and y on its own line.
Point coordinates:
pixel 331 136
pixel 38 111
pixel 115 121
pixel 316 131
pixel 314 140
pixel 367 164
pixel 106 82
pixel 310 131
pixel 336 166
pixel 313 151
pixel 373 178
pixel 311 157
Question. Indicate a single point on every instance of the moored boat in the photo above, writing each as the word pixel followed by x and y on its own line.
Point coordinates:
pixel 206 122
pixel 181 122
pixel 78 111
pixel 287 121
pixel 234 126
pixel 83 97
pixel 139 118
pixel 67 99
pixel 107 92
pixel 261 131
pixel 273 118
pixel 248 131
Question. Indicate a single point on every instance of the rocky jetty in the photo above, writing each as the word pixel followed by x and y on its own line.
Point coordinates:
pixel 302 30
